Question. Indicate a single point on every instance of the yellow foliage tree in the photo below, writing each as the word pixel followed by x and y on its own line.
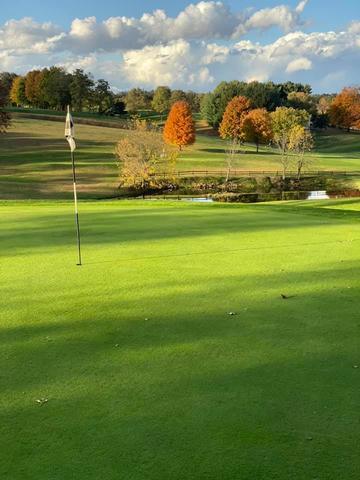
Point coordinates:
pixel 301 142
pixel 17 92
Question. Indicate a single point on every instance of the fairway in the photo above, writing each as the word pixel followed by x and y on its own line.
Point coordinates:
pixel 34 159
pixel 131 367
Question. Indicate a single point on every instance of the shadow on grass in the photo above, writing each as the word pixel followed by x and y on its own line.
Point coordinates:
pixel 149 223
pixel 242 151
pixel 192 392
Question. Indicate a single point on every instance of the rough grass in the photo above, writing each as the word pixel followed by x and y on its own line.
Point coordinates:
pixel 34 158
pixel 145 373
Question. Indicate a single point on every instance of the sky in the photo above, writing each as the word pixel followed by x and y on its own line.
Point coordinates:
pixel 187 45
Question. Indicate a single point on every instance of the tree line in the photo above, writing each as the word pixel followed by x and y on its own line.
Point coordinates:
pixel 337 110
pixel 268 95
pixel 54 88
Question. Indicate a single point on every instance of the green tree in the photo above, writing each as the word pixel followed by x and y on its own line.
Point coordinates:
pixel 289 87
pixel 263 95
pixel 161 100
pixel 194 100
pixel 214 104
pixel 136 99
pixel 55 88
pixel 178 96
pixel 284 119
pixel 6 81
pixel 103 96
pixel 81 85
pixel 4 116
pixel 301 100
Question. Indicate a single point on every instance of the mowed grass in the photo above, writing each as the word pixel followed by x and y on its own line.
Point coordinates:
pixel 35 163
pixel 145 373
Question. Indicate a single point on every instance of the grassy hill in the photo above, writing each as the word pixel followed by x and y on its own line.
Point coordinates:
pixel 34 158
pixel 131 366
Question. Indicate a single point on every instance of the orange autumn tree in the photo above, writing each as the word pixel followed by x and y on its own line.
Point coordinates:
pixel 357 116
pixel 345 109
pixel 179 128
pixel 257 127
pixel 231 126
pixel 231 129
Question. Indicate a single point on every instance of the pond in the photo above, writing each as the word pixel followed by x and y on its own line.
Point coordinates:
pixel 318 195
pixel 261 197
pixel 199 199
pixel 257 197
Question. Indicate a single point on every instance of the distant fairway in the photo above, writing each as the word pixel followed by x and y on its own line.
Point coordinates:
pixel 142 372
pixel 34 159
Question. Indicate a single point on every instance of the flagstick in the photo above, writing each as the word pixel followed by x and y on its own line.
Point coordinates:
pixel 76 209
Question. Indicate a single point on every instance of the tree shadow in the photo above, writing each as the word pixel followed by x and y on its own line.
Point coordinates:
pixel 149 223
pixel 191 392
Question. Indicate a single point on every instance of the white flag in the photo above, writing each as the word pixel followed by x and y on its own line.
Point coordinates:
pixel 69 130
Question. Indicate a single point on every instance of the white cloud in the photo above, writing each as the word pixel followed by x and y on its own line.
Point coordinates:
pixel 215 53
pixel 171 64
pixel 280 16
pixel 199 46
pixel 354 27
pixel 301 6
pixel 205 20
pixel 296 52
pixel 27 36
pixel 299 64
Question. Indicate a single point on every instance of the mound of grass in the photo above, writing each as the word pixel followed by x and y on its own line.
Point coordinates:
pixel 132 366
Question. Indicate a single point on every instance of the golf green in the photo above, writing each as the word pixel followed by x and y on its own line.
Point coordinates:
pixel 196 342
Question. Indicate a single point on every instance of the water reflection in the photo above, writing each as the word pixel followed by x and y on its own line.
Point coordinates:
pixel 318 195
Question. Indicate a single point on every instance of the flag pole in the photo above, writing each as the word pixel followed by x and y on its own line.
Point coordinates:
pixel 69 135
pixel 76 209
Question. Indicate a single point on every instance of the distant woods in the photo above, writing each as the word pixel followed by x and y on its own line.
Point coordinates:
pixel 4 116
pixel 54 88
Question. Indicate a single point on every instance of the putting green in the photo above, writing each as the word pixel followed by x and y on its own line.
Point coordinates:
pixel 131 367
